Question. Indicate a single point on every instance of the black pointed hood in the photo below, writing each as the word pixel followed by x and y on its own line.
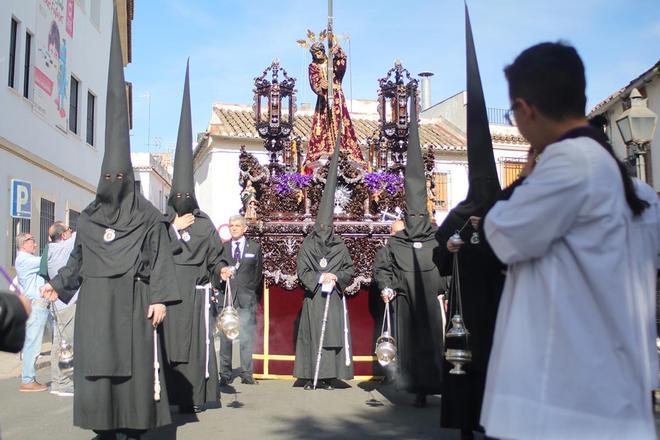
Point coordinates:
pixel 113 227
pixel 116 195
pixel 482 172
pixel 418 223
pixel 182 196
pixel 323 228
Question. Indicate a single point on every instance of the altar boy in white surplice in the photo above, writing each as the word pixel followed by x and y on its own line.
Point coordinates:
pixel 574 348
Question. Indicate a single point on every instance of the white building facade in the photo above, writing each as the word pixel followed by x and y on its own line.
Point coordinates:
pixel 53 79
pixel 153 178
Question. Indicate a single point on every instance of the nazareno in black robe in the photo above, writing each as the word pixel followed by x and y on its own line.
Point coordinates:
pixel 114 351
pixel 481 280
pixel 409 270
pixel 185 328
pixel 196 259
pixel 339 262
pixel 122 263
pixel 481 273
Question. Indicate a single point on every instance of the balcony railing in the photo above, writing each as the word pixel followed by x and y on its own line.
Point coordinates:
pixel 497 116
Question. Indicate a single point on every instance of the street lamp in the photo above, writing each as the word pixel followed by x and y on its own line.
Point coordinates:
pixel 637 127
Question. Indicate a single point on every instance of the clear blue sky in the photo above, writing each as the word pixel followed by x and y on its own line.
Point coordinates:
pixel 230 43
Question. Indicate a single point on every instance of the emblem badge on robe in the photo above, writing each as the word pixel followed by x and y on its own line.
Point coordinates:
pixel 323 263
pixel 417 245
pixel 475 238
pixel 109 235
pixel 185 236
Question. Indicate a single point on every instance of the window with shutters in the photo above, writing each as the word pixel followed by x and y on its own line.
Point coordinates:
pixel 440 191
pixel 46 218
pixel 511 168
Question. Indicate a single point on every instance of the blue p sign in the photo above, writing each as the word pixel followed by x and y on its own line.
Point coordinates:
pixel 21 199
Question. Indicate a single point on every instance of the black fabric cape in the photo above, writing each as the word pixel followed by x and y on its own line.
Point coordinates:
pixel 309 271
pixel 114 374
pixel 408 268
pixel 185 328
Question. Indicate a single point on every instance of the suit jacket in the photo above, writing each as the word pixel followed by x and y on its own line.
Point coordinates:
pixel 246 283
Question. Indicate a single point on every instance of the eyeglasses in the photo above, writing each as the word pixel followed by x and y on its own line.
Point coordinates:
pixel 509 116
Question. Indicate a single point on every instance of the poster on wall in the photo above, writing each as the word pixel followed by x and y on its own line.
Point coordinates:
pixel 54 32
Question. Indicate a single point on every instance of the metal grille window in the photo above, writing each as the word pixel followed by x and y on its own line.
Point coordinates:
pixel 73 219
pixel 26 67
pixel 18 225
pixel 511 168
pixel 46 218
pixel 440 191
pixel 12 53
pixel 91 111
pixel 73 105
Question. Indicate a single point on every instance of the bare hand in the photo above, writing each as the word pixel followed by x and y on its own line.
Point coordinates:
pixel 226 273
pixel 387 295
pixel 454 246
pixel 156 313
pixel 47 292
pixel 531 162
pixel 475 221
pixel 183 222
pixel 327 277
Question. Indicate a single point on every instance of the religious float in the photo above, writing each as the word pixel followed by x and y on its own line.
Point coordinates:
pixel 280 199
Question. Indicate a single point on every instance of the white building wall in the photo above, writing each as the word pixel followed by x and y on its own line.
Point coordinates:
pixel 61 166
pixel 155 181
pixel 216 179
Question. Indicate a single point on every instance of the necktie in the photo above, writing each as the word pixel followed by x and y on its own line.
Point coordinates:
pixel 237 252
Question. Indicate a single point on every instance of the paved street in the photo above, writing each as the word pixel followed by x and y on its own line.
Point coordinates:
pixel 270 410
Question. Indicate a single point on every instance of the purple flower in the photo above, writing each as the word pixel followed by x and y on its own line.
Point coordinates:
pixel 378 181
pixel 285 184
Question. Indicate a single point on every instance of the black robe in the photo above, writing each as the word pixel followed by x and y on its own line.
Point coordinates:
pixel 411 272
pixel 481 281
pixel 114 352
pixel 12 322
pixel 309 271
pixel 186 331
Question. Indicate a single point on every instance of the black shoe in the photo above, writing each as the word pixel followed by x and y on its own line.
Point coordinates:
pixel 224 382
pixel 189 409
pixel 249 380
pixel 326 385
pixel 420 401
pixel 309 386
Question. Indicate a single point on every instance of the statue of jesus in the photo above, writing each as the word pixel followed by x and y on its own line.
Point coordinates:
pixel 324 129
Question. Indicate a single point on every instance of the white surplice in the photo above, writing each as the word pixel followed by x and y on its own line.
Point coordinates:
pixel 574 348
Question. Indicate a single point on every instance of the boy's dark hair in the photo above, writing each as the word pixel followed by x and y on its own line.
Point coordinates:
pixel 549 76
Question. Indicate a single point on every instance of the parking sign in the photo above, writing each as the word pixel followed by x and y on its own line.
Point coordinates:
pixel 21 199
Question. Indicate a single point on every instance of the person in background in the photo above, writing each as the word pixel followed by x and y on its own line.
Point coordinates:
pixel 59 249
pixel 245 282
pixel 27 271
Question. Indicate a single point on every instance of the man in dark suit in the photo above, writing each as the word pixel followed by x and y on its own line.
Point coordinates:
pixel 243 271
